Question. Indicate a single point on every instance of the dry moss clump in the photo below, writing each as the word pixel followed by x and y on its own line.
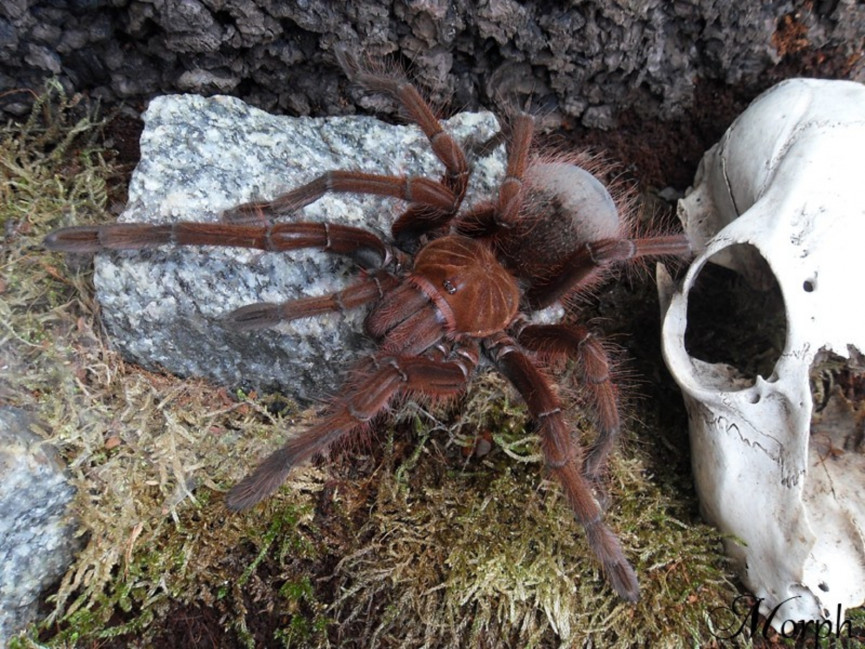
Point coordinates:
pixel 406 543
pixel 146 451
pixel 488 553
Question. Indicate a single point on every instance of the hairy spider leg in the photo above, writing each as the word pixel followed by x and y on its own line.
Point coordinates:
pixel 493 218
pixel 419 218
pixel 364 247
pixel 432 203
pixel 423 191
pixel 507 209
pixel 593 257
pixel 267 314
pixel 367 394
pixel 563 459
pixel 575 341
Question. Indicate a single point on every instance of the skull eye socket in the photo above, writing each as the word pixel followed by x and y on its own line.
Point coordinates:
pixel 731 321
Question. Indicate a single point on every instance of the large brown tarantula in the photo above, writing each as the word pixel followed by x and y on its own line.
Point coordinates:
pixel 451 285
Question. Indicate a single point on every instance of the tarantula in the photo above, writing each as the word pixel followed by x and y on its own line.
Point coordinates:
pixel 451 285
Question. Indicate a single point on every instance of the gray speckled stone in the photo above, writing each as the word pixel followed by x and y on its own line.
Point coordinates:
pixel 200 156
pixel 36 543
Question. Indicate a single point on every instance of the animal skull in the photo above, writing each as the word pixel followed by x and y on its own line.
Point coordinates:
pixel 782 198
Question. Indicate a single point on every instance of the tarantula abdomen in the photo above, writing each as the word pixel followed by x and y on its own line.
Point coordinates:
pixel 563 205
pixel 570 196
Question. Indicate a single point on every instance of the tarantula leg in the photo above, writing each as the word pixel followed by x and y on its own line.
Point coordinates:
pixel 479 222
pixel 363 246
pixel 408 188
pixel 112 236
pixel 422 216
pixel 563 460
pixel 366 248
pixel 609 251
pixel 488 218
pixel 268 314
pixel 591 258
pixel 554 341
pixel 443 145
pixel 415 222
pixel 509 202
pixel 368 394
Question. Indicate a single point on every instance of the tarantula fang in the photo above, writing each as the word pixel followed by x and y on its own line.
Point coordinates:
pixel 453 284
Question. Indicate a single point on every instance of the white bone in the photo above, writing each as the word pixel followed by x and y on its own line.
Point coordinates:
pixel 788 178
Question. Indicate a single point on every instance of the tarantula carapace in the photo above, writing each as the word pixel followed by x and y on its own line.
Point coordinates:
pixel 452 284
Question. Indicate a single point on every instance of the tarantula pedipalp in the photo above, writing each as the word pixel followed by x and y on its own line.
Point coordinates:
pixel 453 284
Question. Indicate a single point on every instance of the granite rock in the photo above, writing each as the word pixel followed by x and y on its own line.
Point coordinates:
pixel 199 156
pixel 36 525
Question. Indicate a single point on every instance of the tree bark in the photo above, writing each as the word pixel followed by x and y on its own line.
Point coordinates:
pixel 582 64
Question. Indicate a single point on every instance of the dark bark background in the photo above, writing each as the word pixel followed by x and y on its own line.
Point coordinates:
pixel 581 63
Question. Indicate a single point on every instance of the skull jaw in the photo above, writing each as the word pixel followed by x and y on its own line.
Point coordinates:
pixel 798 544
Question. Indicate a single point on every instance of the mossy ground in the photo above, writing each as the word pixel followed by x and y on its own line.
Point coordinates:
pixel 405 542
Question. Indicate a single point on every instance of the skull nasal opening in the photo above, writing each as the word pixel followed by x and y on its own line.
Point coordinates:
pixel 731 321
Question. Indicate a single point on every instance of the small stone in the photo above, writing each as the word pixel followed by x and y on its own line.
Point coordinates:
pixel 36 527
